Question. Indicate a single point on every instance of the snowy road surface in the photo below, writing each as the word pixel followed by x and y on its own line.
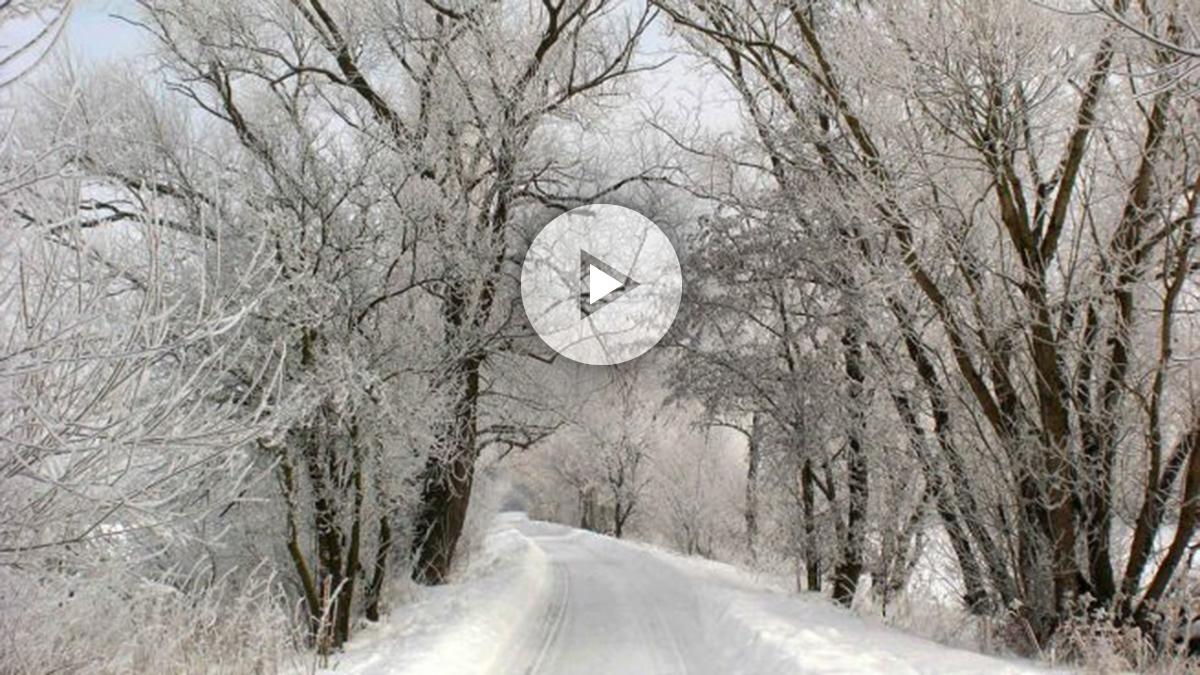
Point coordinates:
pixel 546 599
pixel 611 609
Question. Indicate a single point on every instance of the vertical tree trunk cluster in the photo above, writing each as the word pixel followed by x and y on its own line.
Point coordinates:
pixel 753 463
pixel 1021 311
pixel 322 473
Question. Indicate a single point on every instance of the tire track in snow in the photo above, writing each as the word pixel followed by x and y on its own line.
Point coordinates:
pixel 555 618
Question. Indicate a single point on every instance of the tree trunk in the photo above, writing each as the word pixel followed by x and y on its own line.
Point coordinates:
pixel 850 561
pixel 375 588
pixel 587 509
pixel 975 596
pixel 447 491
pixel 330 572
pixel 812 555
pixel 1189 516
pixel 312 602
pixel 621 513
pixel 755 458
pixel 345 604
pixel 1159 478
pixel 1127 251
pixel 963 496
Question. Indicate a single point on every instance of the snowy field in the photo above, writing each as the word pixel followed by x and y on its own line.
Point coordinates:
pixel 545 598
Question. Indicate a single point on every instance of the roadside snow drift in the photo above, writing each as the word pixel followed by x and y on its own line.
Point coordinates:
pixel 463 628
pixel 765 632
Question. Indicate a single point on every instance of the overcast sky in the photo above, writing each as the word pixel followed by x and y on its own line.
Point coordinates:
pixel 95 34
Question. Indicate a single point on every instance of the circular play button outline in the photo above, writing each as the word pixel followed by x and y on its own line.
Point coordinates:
pixel 601 284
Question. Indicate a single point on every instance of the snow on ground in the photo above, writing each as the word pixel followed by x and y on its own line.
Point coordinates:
pixel 771 631
pixel 463 628
pixel 544 598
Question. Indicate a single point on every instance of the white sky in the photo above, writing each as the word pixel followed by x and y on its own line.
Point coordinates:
pixel 96 35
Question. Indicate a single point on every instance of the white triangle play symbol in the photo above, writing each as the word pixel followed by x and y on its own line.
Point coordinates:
pixel 600 284
pixel 603 284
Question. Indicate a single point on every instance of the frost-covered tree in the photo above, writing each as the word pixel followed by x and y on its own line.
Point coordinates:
pixel 1014 199
pixel 459 101
pixel 602 455
pixel 123 443
pixel 693 497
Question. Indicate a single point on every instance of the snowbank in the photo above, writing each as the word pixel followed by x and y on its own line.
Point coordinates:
pixel 462 628
pixel 769 631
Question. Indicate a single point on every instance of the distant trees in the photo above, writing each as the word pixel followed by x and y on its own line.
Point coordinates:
pixel 624 457
pixel 603 455
pixel 694 498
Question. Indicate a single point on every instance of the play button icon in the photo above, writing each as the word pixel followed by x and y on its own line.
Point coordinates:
pixel 601 284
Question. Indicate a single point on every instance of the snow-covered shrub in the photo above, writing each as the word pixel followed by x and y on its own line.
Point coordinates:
pixel 109 620
pixel 1096 646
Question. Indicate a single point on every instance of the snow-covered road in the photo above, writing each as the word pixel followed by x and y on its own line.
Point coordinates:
pixel 611 609
pixel 615 607
pixel 544 599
